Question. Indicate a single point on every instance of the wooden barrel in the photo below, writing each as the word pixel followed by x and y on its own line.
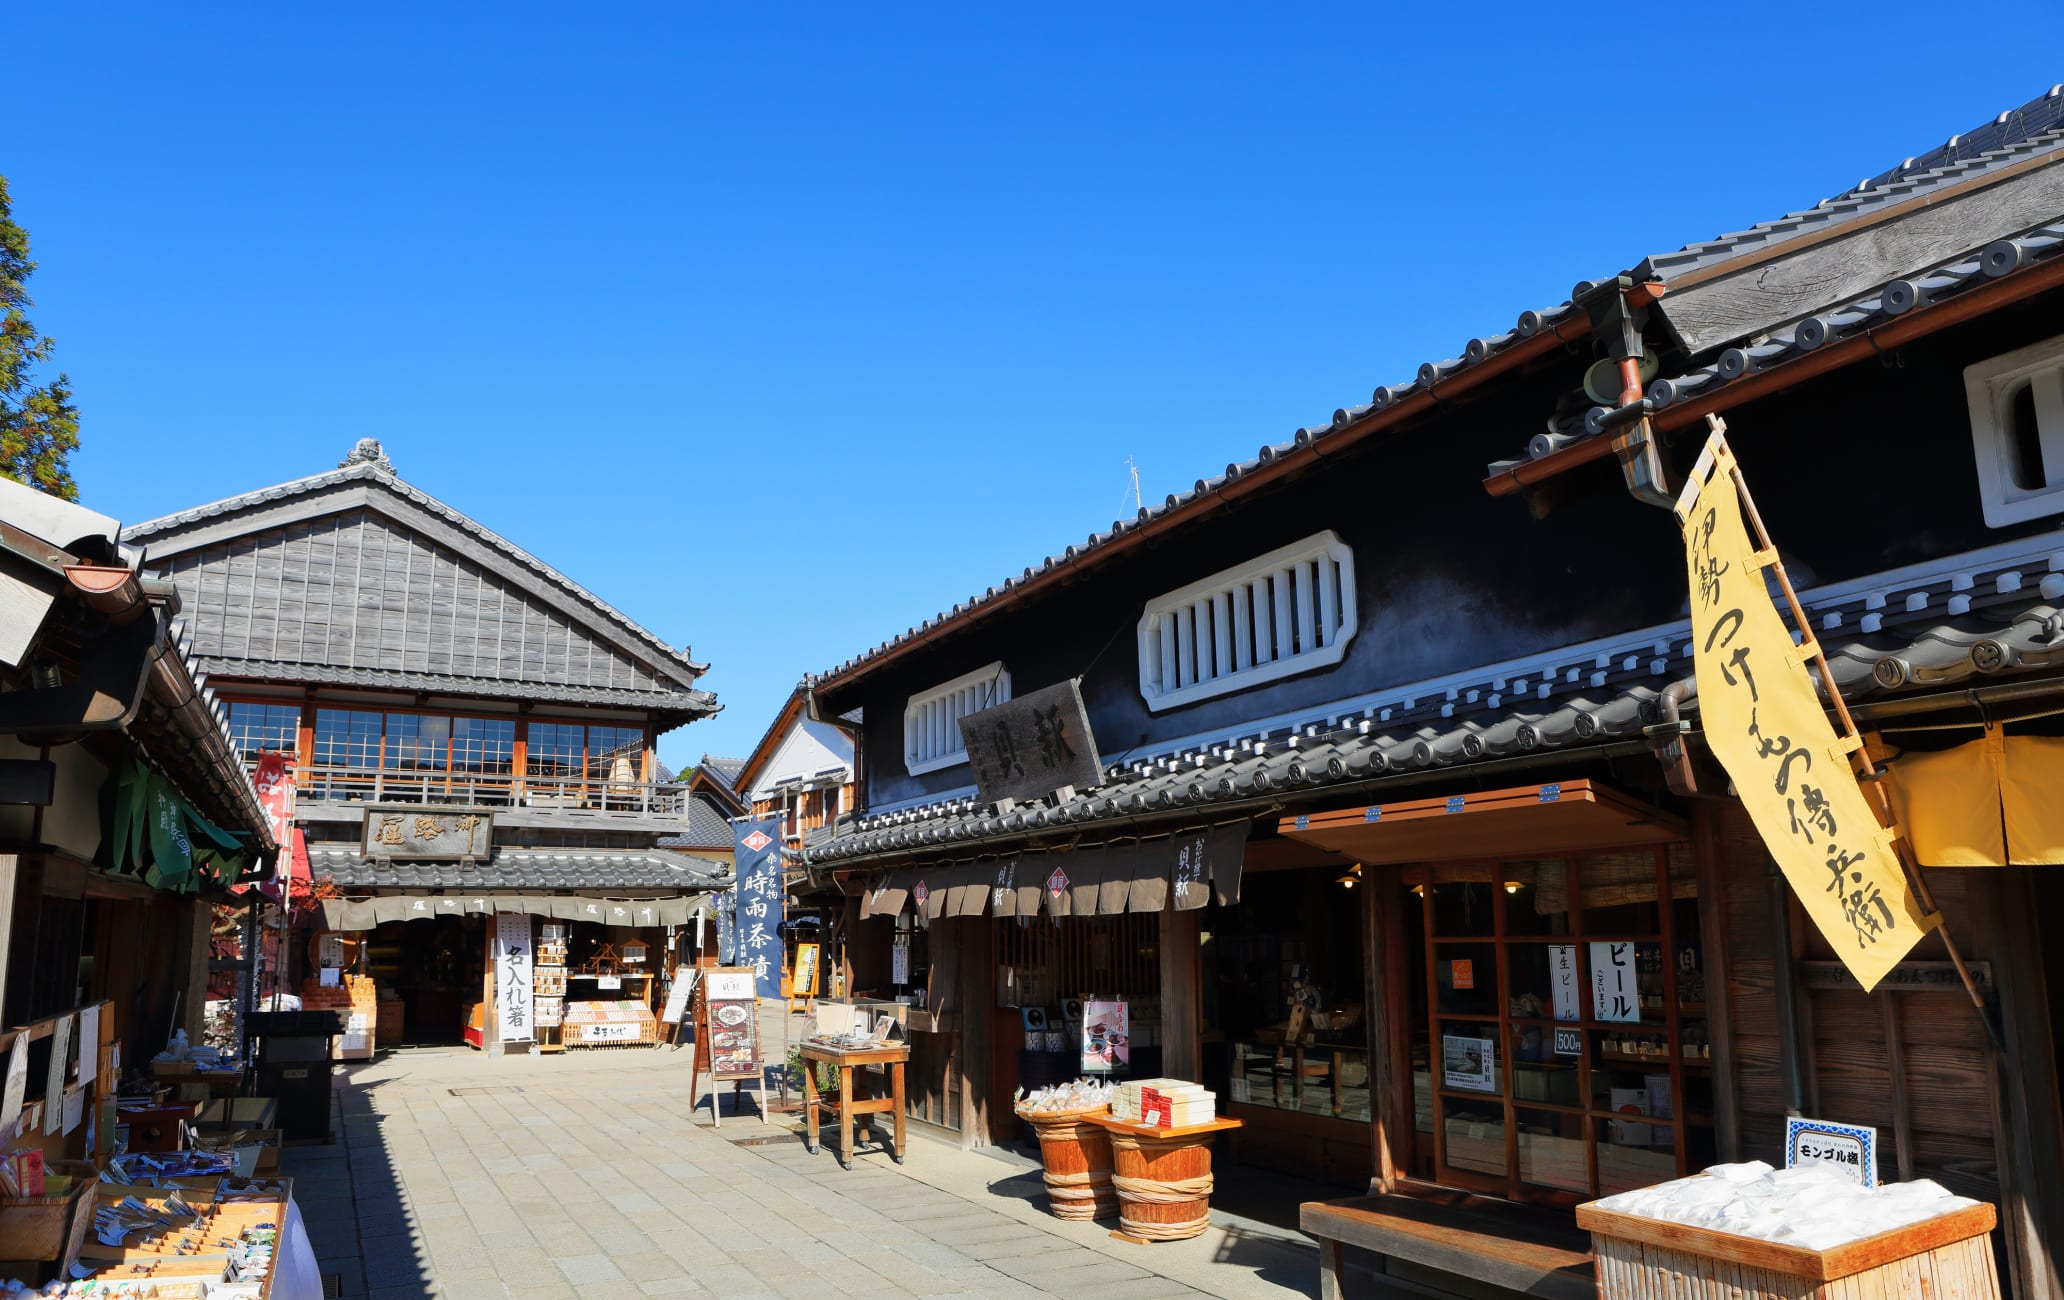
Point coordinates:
pixel 1163 1184
pixel 1077 1156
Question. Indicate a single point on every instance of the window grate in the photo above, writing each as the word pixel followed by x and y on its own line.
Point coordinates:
pixel 1286 612
pixel 931 721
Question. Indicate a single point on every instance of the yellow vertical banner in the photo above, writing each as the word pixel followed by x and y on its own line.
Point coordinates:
pixel 1764 722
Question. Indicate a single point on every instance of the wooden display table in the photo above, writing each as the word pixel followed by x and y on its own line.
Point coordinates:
pixel 1162 1176
pixel 219 1083
pixel 895 1056
pixel 1947 1258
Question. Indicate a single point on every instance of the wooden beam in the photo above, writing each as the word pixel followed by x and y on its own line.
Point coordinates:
pixel 1182 1025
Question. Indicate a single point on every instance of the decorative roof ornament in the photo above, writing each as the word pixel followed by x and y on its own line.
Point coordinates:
pixel 367 452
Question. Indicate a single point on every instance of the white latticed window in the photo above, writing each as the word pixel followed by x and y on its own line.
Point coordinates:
pixel 1289 611
pixel 931 721
pixel 2017 428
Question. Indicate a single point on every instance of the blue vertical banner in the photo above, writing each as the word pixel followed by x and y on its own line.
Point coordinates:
pixel 757 853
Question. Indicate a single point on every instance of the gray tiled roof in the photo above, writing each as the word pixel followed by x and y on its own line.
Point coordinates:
pixel 527 869
pixel 1997 632
pixel 705 826
pixel 690 703
pixel 725 770
pixel 1845 320
pixel 2034 128
pixel 374 472
pixel 2008 138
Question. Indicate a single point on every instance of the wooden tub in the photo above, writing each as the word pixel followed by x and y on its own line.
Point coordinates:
pixel 1162 1177
pixel 1077 1156
pixel 1945 1258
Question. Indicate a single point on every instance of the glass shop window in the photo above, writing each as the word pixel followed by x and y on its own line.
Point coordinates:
pixel 1559 1040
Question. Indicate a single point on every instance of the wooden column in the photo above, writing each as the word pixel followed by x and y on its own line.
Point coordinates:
pixel 1182 1024
pixel 975 990
pixel 1709 863
pixel 490 1026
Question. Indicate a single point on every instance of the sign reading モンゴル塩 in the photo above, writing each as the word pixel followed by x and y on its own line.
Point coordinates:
pixel 1763 720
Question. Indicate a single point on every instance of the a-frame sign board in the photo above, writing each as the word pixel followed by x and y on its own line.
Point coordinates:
pixel 727 1038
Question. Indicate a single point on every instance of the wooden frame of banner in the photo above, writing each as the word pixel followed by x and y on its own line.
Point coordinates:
pixel 1866 771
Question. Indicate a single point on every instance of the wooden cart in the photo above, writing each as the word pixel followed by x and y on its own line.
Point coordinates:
pixel 1946 1258
pixel 851 1101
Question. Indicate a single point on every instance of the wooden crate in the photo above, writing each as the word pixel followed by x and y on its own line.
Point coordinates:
pixel 1946 1258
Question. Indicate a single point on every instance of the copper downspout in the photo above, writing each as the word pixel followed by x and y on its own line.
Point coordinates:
pixel 1896 333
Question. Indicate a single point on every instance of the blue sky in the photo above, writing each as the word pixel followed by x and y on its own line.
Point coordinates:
pixel 784 327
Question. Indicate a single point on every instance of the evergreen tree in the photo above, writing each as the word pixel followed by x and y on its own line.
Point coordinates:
pixel 39 426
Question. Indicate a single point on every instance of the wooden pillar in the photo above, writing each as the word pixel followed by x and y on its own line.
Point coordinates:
pixel 490 1025
pixel 974 990
pixel 1182 1024
pixel 1708 861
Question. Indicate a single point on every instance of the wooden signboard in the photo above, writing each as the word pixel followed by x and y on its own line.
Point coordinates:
pixel 1031 746
pixel 727 1033
pixel 802 986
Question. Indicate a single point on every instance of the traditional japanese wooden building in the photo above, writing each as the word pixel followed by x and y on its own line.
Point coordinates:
pixel 472 733
pixel 125 812
pixel 1406 756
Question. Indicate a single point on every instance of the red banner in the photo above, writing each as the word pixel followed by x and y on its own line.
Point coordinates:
pixel 274 778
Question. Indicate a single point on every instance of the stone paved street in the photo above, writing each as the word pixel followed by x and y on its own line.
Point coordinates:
pixel 461 1177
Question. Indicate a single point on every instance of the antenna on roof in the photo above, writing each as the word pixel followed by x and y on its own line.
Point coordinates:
pixel 1133 469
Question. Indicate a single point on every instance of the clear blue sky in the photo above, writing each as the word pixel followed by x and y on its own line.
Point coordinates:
pixel 783 328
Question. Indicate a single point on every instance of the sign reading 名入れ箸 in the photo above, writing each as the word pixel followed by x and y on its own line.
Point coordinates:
pixel 1763 720
pixel 414 831
pixel 1031 746
pixel 1850 1148
pixel 514 985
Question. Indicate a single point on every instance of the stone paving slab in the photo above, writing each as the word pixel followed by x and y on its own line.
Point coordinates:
pixel 595 1181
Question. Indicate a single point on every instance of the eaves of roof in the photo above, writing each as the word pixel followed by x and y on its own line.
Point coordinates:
pixel 1535 335
pixel 683 706
pixel 1967 158
pixel 2018 266
pixel 1926 633
pixel 510 868
pixel 770 741
pixel 2008 140
pixel 673 661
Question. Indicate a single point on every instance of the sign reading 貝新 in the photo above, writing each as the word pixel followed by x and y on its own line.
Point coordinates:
pixel 757 853
pixel 1764 721
pixel 1029 747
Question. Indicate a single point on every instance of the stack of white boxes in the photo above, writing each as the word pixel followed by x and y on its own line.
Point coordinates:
pixel 1164 1103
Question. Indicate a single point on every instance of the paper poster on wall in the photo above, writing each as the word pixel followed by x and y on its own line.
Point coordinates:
pixel 1463 972
pixel 54 1081
pixel 74 1108
pixel 1615 991
pixel 1562 981
pixel 17 1087
pixel 1106 1036
pixel 89 1044
pixel 1469 1063
pixel 899 961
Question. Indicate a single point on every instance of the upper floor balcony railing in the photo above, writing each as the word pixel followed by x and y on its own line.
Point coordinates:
pixel 570 795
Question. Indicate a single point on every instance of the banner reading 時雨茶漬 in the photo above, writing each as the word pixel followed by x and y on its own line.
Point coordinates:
pixel 757 855
pixel 1764 721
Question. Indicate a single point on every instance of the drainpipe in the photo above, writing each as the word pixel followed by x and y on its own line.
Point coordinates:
pixel 1669 735
pixel 1618 309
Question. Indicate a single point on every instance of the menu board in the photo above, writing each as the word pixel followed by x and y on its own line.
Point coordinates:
pixel 730 1022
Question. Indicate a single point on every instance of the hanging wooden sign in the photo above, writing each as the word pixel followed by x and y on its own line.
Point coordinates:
pixel 1029 747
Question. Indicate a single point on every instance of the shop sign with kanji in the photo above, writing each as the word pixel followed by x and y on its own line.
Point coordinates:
pixel 1763 719
pixel 416 831
pixel 1027 748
